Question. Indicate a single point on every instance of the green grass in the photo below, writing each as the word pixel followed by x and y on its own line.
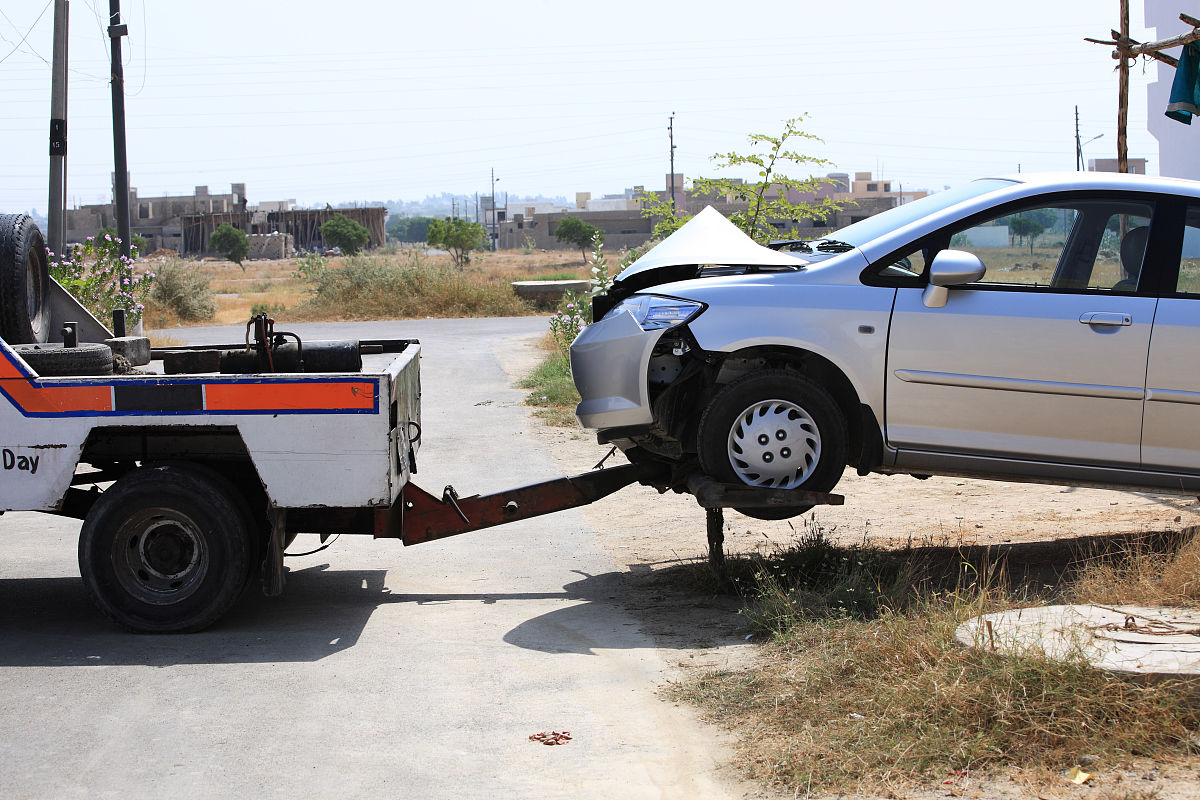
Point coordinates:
pixel 557 276
pixel 552 391
pixel 862 686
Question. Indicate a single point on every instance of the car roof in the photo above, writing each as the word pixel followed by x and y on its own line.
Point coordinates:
pixel 1067 181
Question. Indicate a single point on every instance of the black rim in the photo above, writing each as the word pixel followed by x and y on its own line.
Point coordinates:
pixel 160 556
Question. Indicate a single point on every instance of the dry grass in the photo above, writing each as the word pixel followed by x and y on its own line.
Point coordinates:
pixel 481 289
pixel 862 686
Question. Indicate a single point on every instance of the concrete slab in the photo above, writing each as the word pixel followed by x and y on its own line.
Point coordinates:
pixel 1129 639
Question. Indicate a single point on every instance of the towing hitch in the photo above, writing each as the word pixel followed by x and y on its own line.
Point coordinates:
pixel 419 516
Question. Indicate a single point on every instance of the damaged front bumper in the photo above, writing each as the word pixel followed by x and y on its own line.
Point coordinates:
pixel 609 363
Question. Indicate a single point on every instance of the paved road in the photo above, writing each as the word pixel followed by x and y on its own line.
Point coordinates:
pixel 382 671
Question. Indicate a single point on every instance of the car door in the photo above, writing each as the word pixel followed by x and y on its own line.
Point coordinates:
pixel 1171 428
pixel 1042 359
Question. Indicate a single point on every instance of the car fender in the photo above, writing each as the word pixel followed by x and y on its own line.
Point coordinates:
pixel 844 324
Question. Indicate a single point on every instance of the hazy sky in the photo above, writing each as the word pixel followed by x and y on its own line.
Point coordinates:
pixel 372 100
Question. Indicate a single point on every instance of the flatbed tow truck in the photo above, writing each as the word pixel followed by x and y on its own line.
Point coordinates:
pixel 194 469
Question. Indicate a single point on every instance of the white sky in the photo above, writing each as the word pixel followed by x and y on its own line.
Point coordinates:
pixel 372 99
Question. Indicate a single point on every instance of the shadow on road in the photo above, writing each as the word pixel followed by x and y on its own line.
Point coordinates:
pixel 323 611
pixel 49 621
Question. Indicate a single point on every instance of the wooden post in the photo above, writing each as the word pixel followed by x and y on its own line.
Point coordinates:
pixel 1123 91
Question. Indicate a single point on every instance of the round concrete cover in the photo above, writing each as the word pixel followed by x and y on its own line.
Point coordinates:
pixel 1132 639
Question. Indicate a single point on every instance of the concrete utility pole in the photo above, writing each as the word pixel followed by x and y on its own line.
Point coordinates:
pixel 56 208
pixel 121 178
pixel 671 139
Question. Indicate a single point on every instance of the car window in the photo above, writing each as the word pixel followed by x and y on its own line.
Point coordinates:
pixel 1189 263
pixel 1087 245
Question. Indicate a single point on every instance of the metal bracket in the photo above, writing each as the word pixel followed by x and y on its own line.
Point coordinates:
pixel 450 497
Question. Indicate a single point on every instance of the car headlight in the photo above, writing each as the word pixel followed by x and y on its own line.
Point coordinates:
pixel 654 312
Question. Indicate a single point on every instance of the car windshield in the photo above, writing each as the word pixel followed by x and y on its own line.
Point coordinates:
pixel 871 228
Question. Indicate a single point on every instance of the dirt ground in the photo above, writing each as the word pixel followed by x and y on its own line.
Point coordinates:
pixel 646 533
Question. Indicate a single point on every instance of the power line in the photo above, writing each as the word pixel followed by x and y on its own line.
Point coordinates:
pixel 26 36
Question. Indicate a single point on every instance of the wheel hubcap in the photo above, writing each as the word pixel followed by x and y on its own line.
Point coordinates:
pixel 160 556
pixel 774 444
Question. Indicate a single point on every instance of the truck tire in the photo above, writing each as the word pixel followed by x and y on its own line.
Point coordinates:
pixel 775 429
pixel 24 281
pixel 53 360
pixel 166 549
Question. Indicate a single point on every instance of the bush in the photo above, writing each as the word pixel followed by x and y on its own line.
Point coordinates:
pixel 231 242
pixel 102 279
pixel 367 288
pixel 345 234
pixel 182 290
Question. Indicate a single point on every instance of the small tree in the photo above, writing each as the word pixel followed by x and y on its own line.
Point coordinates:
pixel 345 234
pixel 231 242
pixel 458 236
pixel 577 232
pixel 1023 226
pixel 768 200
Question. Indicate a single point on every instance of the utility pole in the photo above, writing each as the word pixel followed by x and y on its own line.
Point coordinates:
pixel 671 139
pixel 121 178
pixel 494 208
pixel 56 208
pixel 1123 94
pixel 1078 145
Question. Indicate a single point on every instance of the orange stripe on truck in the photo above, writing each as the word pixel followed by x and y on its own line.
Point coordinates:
pixel 48 398
pixel 289 396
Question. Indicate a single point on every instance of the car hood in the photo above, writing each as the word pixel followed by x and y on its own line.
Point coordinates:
pixel 706 239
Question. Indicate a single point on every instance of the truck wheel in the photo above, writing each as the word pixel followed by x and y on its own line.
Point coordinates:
pixel 774 429
pixel 167 548
pixel 24 281
pixel 53 360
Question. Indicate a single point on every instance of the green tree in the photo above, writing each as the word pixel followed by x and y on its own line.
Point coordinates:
pixel 775 202
pixel 345 234
pixel 231 242
pixel 1022 226
pixel 458 236
pixel 409 229
pixel 575 231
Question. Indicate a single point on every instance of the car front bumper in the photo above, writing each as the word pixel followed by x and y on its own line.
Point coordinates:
pixel 609 363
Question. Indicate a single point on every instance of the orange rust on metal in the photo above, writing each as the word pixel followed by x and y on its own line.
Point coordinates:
pixel 422 517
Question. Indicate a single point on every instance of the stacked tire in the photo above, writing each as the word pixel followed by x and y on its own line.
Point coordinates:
pixel 24 281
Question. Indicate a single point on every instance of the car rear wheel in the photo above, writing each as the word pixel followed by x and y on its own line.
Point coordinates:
pixel 773 429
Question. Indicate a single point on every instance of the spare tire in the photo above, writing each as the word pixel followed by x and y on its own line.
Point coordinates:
pixel 53 360
pixel 24 281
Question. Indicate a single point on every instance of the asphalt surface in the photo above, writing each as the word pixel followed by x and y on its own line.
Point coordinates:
pixel 382 671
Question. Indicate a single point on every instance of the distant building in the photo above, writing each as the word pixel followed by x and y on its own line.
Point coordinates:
pixel 156 219
pixel 1137 166
pixel 184 223
pixel 620 216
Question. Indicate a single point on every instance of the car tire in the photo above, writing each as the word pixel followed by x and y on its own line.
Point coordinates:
pixel 773 429
pixel 24 281
pixel 53 360
pixel 168 548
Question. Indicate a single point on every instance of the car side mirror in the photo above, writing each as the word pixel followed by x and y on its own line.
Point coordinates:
pixel 950 268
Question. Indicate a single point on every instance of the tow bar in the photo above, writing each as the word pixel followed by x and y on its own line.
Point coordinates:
pixel 419 516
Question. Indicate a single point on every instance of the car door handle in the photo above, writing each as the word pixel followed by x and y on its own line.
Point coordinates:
pixel 1114 318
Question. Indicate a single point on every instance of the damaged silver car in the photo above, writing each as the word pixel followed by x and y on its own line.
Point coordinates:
pixel 1024 328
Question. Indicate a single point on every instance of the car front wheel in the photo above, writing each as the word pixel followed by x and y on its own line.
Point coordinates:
pixel 774 429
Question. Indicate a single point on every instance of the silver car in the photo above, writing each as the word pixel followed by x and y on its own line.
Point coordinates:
pixel 1038 328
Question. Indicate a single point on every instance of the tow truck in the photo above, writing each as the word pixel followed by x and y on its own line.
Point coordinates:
pixel 193 468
